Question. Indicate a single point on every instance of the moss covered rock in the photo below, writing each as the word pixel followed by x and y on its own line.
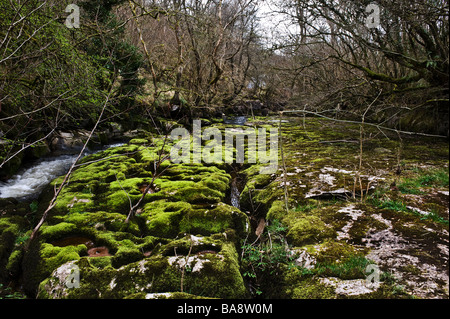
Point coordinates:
pixel 146 253
pixel 13 234
pixel 183 240
pixel 204 273
pixel 307 230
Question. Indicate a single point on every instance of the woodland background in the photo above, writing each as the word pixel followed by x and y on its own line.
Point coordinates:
pixel 185 59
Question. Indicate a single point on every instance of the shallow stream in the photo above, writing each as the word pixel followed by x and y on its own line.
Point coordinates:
pixel 31 180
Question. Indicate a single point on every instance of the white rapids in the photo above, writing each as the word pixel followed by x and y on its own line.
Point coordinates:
pixel 29 182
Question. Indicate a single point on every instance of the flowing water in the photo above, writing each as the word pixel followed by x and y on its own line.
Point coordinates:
pixel 29 182
pixel 235 120
pixel 235 194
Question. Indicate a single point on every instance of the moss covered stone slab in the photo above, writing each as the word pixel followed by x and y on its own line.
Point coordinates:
pixel 202 273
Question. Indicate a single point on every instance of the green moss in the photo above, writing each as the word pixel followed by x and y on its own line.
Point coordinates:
pixel 147 154
pixel 199 195
pixel 139 141
pixel 213 275
pixel 219 182
pixel 74 201
pixel 190 171
pixel 168 219
pixel 411 269
pixel 127 252
pixel 53 256
pixel 95 204
pixel 101 220
pixel 195 244
pixel 120 202
pixel 222 278
pixel 101 262
pixel 167 295
pixel 208 186
pixel 359 229
pixel 102 170
pixel 149 252
pixel 57 231
pixel 277 211
pixel 102 184
pixel 130 185
pixel 162 218
pixel 14 261
pixel 336 252
pixel 306 288
pixel 42 259
pixel 214 220
pixel 307 229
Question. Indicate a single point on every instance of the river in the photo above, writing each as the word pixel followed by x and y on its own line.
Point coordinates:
pixel 29 182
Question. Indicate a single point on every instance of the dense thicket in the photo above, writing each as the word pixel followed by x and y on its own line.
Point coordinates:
pixel 188 58
pixel 342 54
pixel 53 77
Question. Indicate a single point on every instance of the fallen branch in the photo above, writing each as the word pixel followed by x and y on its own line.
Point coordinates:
pixel 67 176
pixel 378 126
pixel 156 174
pixel 284 165
pixel 339 141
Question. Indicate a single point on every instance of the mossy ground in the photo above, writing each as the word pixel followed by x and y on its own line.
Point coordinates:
pixel 183 199
pixel 397 197
pixel 213 273
pixel 186 240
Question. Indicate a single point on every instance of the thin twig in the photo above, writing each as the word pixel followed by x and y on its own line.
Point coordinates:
pixel 380 127
pixel 67 176
pixel 184 266
pixel 284 164
pixel 156 174
pixel 126 193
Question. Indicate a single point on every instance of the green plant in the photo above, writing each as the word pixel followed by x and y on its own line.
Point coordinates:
pixel 276 228
pixel 34 206
pixel 306 208
pixel 350 268
pixel 399 206
pixel 434 216
pixel 267 255
pixel 8 293
pixel 424 178
pixel 394 205
pixel 439 178
pixel 22 239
